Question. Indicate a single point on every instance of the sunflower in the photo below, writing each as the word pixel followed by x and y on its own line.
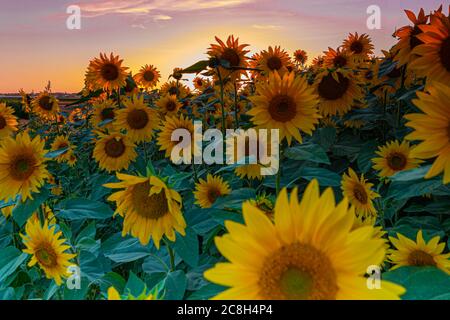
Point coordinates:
pixel 265 204
pixel 300 56
pixel 113 294
pixel 26 101
pixel 338 59
pixel 286 103
pixel 354 123
pixel 434 54
pixel 150 208
pixel 360 46
pixel 104 112
pixel 175 88
pixel 47 249
pixel 328 122
pixel 209 190
pixel 168 105
pixel 45 106
pixel 62 142
pixel 138 119
pixel 47 214
pixel 72 159
pixel 148 77
pixel 408 40
pixel 419 253
pixel 273 59
pixel 394 157
pixel 106 73
pixel 22 167
pixel 233 53
pixel 337 90
pixel 8 122
pixel 359 193
pixel 317 63
pixel 114 152
pixel 432 128
pixel 201 84
pixel 308 252
pixel 169 125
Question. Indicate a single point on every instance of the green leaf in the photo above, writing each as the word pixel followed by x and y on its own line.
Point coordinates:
pixel 135 286
pixel 421 283
pixel 175 284
pixel 10 259
pixel 187 247
pixel 93 267
pixel 56 153
pixel 80 209
pixel 197 67
pixel 308 152
pixel 324 176
pixel 367 153
pixel 411 175
pixel 207 292
pixel 23 210
pixel 414 188
pixel 122 250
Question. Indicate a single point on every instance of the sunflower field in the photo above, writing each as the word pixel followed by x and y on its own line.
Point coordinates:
pixel 94 208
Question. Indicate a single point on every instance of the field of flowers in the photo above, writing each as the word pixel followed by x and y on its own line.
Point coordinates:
pixel 93 207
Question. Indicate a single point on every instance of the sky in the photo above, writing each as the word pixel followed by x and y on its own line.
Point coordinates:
pixel 37 47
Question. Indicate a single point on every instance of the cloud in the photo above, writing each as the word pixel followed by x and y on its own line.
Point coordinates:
pixel 162 17
pixel 266 27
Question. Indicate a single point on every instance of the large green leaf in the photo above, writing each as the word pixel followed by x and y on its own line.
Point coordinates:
pixel 175 285
pixel 122 250
pixel 308 152
pixel 324 176
pixel 10 259
pixel 187 247
pixel 23 210
pixel 80 209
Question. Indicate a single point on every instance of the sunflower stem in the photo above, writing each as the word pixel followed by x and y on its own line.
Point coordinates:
pixel 236 116
pixel 171 254
pixel 222 101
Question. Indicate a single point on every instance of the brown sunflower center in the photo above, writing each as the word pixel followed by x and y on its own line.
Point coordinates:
pixel 357 47
pixel 413 40
pixel 46 256
pixel 231 56
pixel 149 76
pixel 298 272
pixel 282 108
pixel 444 54
pixel 397 161
pixel 150 207
pixel 274 63
pixel 171 106
pixel 109 72
pixel 62 145
pixel 2 122
pixel 46 103
pixel 331 89
pixel 107 113
pixel 360 193
pixel 340 61
pixel 448 132
pixel 173 90
pixel 199 82
pixel 22 167
pixel 213 194
pixel 420 258
pixel 137 119
pixel 115 148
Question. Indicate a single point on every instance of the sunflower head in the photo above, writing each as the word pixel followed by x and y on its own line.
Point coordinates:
pixel 300 56
pixel 359 193
pixel 360 46
pixel 104 113
pixel 149 206
pixel 46 246
pixel 209 190
pixel 114 152
pixel 106 73
pixel 338 59
pixel 113 294
pixel 169 105
pixel 174 88
pixel 45 106
pixel 273 60
pixel 148 77
pixel 168 126
pixel 8 121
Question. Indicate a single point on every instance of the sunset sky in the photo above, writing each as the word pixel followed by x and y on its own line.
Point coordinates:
pixel 36 46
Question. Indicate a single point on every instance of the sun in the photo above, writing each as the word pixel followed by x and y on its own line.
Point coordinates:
pixel 307 253
pixel 337 91
pixel 138 119
pixel 432 128
pixel 104 113
pixel 394 157
pixel 148 77
pixel 106 73
pixel 114 152
pixel 419 253
pixel 8 121
pixel 169 125
pixel 168 105
pixel 150 208
pixel 359 192
pixel 209 190
pixel 45 106
pixel 22 166
pixel 286 103
pixel 48 250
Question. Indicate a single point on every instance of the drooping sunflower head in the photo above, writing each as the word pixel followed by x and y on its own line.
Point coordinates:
pixel 432 128
pixel 419 253
pixel 45 106
pixel 300 56
pixel 104 113
pixel 8 121
pixel 234 55
pixel 359 192
pixel 151 209
pixel 114 152
pixel 48 250
pixel 201 84
pixel 317 63
pixel 106 73
pixel 148 77
pixel 394 157
pixel 209 190
pixel 273 60
pixel 138 119
pixel 338 59
pixel 22 166
pixel 360 46
pixel 169 105
pixel 169 125
pixel 62 142
pixel 337 91
pixel 307 252
pixel 286 103
pixel 174 88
